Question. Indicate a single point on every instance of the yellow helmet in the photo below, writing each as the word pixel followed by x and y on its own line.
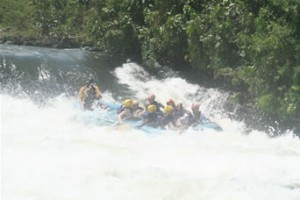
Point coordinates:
pixel 168 109
pixel 151 108
pixel 128 103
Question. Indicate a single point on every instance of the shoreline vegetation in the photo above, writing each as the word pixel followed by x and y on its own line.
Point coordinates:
pixel 251 47
pixel 10 37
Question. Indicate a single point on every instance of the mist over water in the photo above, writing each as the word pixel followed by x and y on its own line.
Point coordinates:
pixel 54 151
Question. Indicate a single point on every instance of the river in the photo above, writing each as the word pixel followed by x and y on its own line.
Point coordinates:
pixel 50 151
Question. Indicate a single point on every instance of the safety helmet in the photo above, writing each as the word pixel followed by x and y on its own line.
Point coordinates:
pixel 128 103
pixel 195 107
pixel 170 102
pixel 168 109
pixel 151 108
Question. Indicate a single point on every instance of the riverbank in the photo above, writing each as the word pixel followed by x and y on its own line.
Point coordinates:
pixel 11 37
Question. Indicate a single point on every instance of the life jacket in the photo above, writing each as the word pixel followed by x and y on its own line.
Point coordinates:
pixel 199 119
pixel 187 119
pixel 179 113
pixel 93 92
pixel 122 108
pixel 152 117
pixel 137 113
pixel 89 93
pixel 166 119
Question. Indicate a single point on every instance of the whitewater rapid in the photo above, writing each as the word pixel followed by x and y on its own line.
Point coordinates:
pixel 49 152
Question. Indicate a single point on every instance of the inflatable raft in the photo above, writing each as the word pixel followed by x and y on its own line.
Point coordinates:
pixel 111 118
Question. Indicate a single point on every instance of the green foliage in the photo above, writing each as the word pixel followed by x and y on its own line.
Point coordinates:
pixel 60 18
pixel 167 42
pixel 212 34
pixel 17 15
pixel 267 103
pixel 112 26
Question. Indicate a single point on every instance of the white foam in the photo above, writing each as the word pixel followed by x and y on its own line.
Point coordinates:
pixel 139 81
pixel 48 153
